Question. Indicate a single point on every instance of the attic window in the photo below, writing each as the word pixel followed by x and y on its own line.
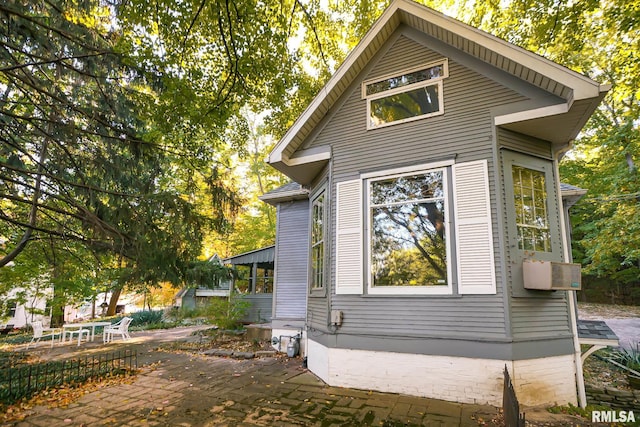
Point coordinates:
pixel 407 96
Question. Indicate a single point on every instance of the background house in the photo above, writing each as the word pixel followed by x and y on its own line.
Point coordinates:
pixel 189 298
pixel 254 283
pixel 429 163
pixel 24 306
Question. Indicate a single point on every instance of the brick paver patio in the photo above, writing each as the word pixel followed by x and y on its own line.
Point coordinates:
pixel 182 389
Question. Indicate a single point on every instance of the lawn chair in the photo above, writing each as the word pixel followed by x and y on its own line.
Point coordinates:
pixel 120 328
pixel 40 332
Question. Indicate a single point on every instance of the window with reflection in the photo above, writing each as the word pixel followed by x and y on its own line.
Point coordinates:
pixel 263 281
pixel 242 283
pixel 405 96
pixel 250 280
pixel 317 242
pixel 408 238
pixel 532 218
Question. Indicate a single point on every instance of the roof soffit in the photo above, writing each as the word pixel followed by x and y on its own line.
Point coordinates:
pixel 528 66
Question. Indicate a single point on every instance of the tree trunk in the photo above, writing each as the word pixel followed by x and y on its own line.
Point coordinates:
pixel 113 302
pixel 57 309
pixel 33 213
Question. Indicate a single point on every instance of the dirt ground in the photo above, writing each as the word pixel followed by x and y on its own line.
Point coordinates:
pixel 590 311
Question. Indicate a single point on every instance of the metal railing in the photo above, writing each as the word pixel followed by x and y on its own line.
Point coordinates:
pixel 26 379
pixel 510 406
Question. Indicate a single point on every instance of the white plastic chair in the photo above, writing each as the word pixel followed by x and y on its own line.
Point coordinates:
pixel 120 328
pixel 40 332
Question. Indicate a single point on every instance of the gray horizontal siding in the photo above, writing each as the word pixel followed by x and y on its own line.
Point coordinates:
pixel 317 313
pixel 523 143
pixel 292 249
pixel 465 132
pixel 533 317
pixel 260 308
pixel 489 56
pixel 466 103
pixel 423 316
pixel 537 314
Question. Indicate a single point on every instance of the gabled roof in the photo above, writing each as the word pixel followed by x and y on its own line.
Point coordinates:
pixel 215 258
pixel 571 190
pixel 286 193
pixel 571 194
pixel 265 255
pixel 596 332
pixel 558 123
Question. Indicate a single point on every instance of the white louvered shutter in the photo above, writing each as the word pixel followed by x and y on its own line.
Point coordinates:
pixel 349 237
pixel 474 236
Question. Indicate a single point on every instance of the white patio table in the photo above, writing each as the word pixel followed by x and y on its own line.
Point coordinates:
pixel 78 326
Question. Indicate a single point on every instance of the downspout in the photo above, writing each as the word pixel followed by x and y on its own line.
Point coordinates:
pixel 582 396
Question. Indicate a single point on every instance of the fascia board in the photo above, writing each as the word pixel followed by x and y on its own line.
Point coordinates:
pixel 277 154
pixel 573 193
pixel 316 154
pixel 599 341
pixel 285 196
pixel 535 113
pixel 571 198
pixel 548 110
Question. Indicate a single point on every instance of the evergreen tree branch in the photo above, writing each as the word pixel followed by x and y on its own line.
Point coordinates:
pixel 51 61
pixel 32 213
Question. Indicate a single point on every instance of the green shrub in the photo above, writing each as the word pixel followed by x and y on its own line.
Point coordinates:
pixel 223 313
pixel 629 357
pixel 181 313
pixel 145 318
pixel 220 312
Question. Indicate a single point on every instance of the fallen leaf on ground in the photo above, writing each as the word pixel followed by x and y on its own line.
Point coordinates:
pixel 59 397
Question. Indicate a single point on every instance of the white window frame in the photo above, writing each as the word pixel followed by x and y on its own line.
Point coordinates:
pixel 546 210
pixel 447 289
pixel 318 289
pixel 431 82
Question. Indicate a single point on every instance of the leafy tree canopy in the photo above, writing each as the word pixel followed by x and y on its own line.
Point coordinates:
pixel 121 122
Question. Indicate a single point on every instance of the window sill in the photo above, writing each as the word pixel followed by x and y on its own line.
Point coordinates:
pixel 410 291
pixel 413 296
pixel 318 293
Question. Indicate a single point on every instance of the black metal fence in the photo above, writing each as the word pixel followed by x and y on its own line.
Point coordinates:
pixel 510 406
pixel 25 380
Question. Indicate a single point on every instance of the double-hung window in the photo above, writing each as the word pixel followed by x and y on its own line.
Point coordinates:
pixel 532 219
pixel 317 241
pixel 411 232
pixel 405 96
pixel 408 233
